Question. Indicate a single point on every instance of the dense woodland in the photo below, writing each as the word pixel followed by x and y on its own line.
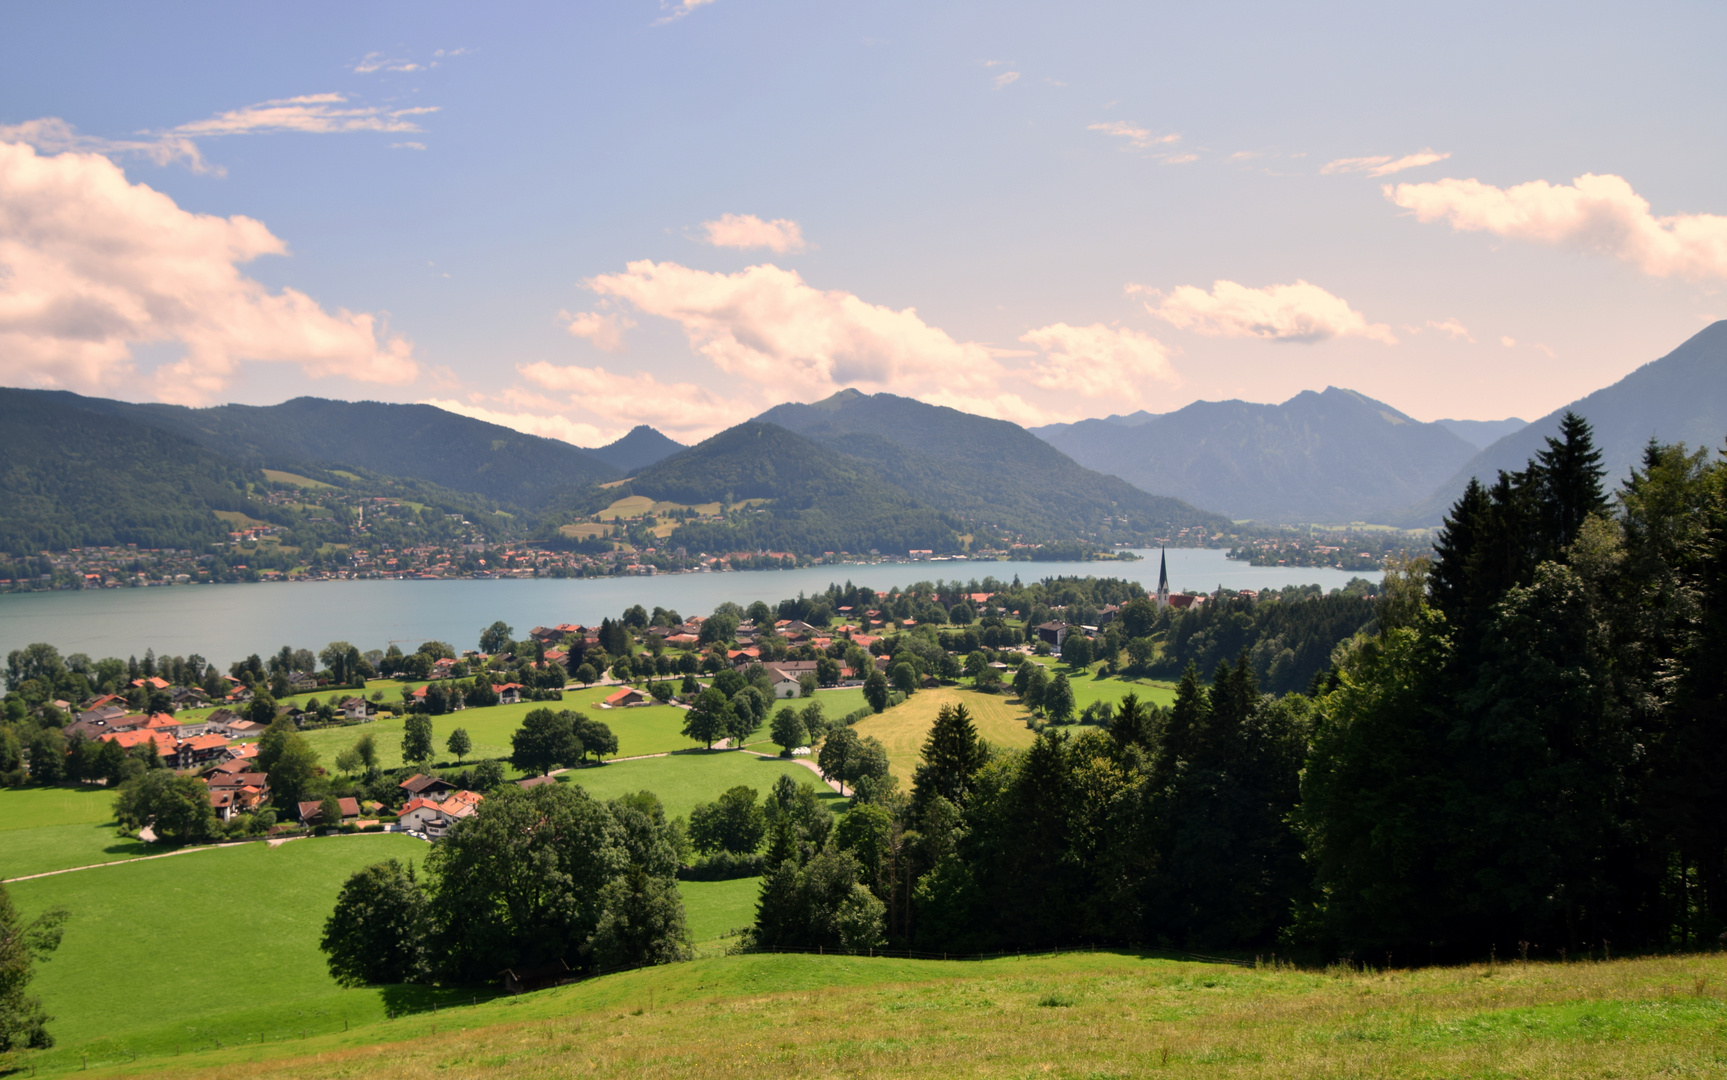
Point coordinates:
pixel 1524 754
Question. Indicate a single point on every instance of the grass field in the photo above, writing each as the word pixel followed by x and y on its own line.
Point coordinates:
pixel 1077 1015
pixel 683 780
pixel 43 829
pixel 903 729
pixel 214 944
pixel 711 908
pixel 652 729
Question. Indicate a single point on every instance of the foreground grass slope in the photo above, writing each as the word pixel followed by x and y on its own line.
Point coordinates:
pixel 45 829
pixel 1078 1015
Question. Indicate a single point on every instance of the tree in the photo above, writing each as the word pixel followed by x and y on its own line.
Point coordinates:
pixel 875 690
pixel 377 933
pixel 488 776
pixel 47 756
pixel 596 737
pixel 329 811
pixel 1058 699
pixel 641 922
pixel 366 747
pixel 294 773
pixel 961 614
pixel 1036 682
pixel 347 762
pixel 749 708
pixel 545 740
pixel 459 744
pixel 586 675
pixel 709 718
pixel 838 753
pixel 417 739
pixel 177 808
pixel 788 729
pixel 342 661
pixel 904 679
pixel 733 823
pixel 23 1021
pixel 497 638
pixel 952 755
pixel 1076 650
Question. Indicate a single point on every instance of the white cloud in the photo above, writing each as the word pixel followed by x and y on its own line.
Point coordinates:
pixel 767 325
pixel 91 265
pixel 678 9
pixel 407 146
pixel 377 61
pixel 780 235
pixel 1180 159
pixel 1137 138
pixel 604 329
pixel 52 135
pixel 1600 215
pixel 1451 326
pixel 1299 312
pixel 546 425
pixel 1097 361
pixel 1384 165
pixel 1006 78
pixel 317 114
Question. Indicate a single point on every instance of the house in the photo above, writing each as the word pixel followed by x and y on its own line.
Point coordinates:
pixel 301 681
pixel 312 812
pixel 456 702
pixel 683 640
pixel 423 815
pixel 105 701
pixel 189 697
pixel 151 683
pixel 355 708
pixel 509 693
pixel 1185 600
pixel 783 685
pixel 629 695
pixel 422 786
pixel 200 750
pixel 164 742
pixel 1052 632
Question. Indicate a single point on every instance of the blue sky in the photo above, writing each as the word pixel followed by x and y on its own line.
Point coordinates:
pixel 575 218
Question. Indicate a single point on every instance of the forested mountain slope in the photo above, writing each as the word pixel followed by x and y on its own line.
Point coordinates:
pixel 1682 397
pixel 1336 456
pixel 420 442
pixel 640 448
pixel 990 474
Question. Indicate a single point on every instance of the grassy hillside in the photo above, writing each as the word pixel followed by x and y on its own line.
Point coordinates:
pixel 44 829
pixel 1074 1015
pixel 683 780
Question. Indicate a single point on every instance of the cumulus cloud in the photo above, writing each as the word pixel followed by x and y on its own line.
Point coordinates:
pixel 1136 138
pixel 1299 312
pixel 1451 326
pixel 1598 214
pixel 605 329
pixel 316 114
pixel 1097 360
pixel 1383 165
pixel 677 9
pixel 767 325
pixel 377 61
pixel 781 235
pixel 1006 78
pixel 91 265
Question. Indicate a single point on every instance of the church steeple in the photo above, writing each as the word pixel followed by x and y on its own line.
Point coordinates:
pixel 1162 579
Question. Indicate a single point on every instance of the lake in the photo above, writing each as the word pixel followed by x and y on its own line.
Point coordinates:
pixel 224 623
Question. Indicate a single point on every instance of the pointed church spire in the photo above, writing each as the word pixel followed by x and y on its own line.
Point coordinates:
pixel 1162 578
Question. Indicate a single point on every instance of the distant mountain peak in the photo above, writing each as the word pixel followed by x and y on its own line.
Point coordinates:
pixel 642 447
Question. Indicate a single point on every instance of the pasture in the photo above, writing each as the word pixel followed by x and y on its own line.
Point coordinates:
pixel 43 829
pixel 711 908
pixel 903 729
pixel 1108 1014
pixel 684 780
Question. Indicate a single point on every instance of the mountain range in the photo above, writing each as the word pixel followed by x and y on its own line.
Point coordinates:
pixel 1334 456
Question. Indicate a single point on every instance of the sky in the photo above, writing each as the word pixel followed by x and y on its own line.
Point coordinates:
pixel 574 218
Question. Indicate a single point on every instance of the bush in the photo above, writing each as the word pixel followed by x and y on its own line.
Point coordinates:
pixel 724 866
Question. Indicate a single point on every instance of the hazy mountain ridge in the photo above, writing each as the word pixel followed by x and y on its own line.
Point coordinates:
pixel 1680 397
pixel 642 447
pixel 1335 456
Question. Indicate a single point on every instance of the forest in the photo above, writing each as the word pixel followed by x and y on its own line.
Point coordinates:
pixel 1522 753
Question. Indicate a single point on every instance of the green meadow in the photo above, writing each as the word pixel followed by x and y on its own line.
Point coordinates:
pixel 713 908
pixel 1072 1016
pixel 43 829
pixel 683 780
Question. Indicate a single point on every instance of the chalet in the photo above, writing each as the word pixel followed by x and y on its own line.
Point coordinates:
pixel 509 693
pixel 200 750
pixel 311 813
pixel 105 701
pixel 245 729
pixel 164 742
pixel 422 815
pixel 441 669
pixel 1185 600
pixel 422 786
pixel 189 697
pixel 685 639
pixel 300 681
pixel 792 628
pixel 355 708
pixel 151 683
pixel 1053 632
pixel 783 685
pixel 626 696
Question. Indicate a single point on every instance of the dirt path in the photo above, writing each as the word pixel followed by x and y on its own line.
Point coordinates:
pixel 808 764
